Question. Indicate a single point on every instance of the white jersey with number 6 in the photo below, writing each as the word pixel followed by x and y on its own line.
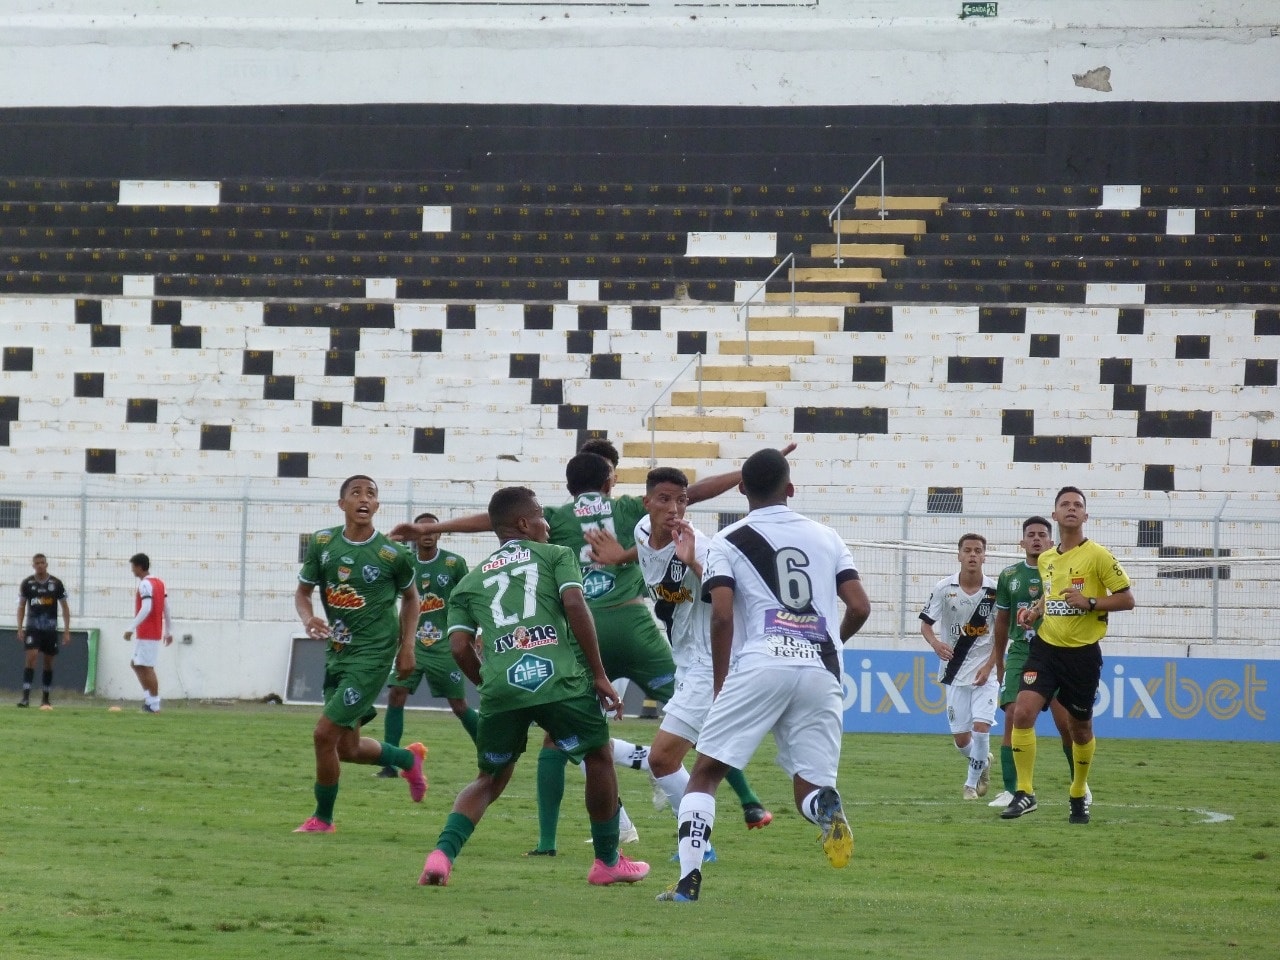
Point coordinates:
pixel 784 569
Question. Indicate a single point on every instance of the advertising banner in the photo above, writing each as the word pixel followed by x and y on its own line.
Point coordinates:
pixel 896 691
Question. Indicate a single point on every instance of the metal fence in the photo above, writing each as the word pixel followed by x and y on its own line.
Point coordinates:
pixel 1204 567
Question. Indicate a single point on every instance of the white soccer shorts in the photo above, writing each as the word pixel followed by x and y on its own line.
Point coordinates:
pixel 801 706
pixel 967 704
pixel 146 653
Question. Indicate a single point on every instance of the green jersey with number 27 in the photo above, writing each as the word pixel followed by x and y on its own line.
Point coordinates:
pixel 513 598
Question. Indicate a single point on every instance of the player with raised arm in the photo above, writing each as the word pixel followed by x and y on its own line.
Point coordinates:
pixel 673 555
pixel 540 664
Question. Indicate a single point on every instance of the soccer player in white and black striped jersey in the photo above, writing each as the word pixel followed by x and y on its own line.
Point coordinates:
pixel 963 607
pixel 774 580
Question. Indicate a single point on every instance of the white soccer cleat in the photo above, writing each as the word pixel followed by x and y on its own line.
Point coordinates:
pixel 1003 800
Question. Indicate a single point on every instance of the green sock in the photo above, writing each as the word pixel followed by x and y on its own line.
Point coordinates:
pixel 470 723
pixel 1008 772
pixel 398 757
pixel 325 798
pixel 1071 760
pixel 393 725
pixel 550 793
pixel 604 837
pixel 457 831
pixel 738 780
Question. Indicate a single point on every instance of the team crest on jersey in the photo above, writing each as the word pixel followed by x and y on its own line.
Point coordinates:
pixel 371 573
pixel 344 574
pixel 343 598
pixel 1033 590
pixel 442 579
pixel 351 696
pixel 530 672
pixel 429 634
pixel 430 604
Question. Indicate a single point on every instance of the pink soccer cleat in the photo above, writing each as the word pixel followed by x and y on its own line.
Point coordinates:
pixel 315 825
pixel 624 871
pixel 416 776
pixel 435 872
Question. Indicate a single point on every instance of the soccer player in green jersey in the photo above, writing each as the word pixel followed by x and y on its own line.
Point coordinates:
pixel 360 574
pixel 631 644
pixel 438 573
pixel 1017 588
pixel 1083 585
pixel 540 664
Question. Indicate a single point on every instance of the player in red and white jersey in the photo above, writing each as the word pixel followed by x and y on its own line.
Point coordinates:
pixel 151 628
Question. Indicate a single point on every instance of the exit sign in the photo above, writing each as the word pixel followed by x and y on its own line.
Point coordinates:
pixel 977 10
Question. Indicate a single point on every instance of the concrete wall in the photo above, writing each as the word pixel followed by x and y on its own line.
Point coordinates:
pixel 238 52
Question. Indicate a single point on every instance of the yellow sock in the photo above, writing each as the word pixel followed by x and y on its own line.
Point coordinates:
pixel 1082 757
pixel 1024 757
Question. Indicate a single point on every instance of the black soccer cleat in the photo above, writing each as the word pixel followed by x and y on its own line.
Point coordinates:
pixel 1079 810
pixel 1022 803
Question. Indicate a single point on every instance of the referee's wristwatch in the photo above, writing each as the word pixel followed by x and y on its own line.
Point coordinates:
pixel 1093 604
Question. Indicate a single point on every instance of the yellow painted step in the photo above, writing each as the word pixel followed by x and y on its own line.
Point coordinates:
pixel 883 250
pixel 719 398
pixel 880 227
pixel 838 274
pixel 772 348
pixel 834 298
pixel 673 449
pixel 641 474
pixel 900 203
pixel 807 324
pixel 692 423
pixel 743 372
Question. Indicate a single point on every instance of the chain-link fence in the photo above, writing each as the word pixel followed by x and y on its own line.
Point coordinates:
pixel 1204 567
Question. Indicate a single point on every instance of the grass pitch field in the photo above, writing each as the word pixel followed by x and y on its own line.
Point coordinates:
pixel 131 836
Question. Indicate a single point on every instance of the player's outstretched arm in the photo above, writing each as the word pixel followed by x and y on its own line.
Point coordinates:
pixel 471 523
pixel 710 487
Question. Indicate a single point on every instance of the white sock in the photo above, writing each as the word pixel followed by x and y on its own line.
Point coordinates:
pixel 624 822
pixel 673 785
pixel 697 817
pixel 967 749
pixel 980 749
pixel 809 807
pixel 633 755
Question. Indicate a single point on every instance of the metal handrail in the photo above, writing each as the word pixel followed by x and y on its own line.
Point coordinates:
pixel 746 304
pixel 648 418
pixel 835 211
